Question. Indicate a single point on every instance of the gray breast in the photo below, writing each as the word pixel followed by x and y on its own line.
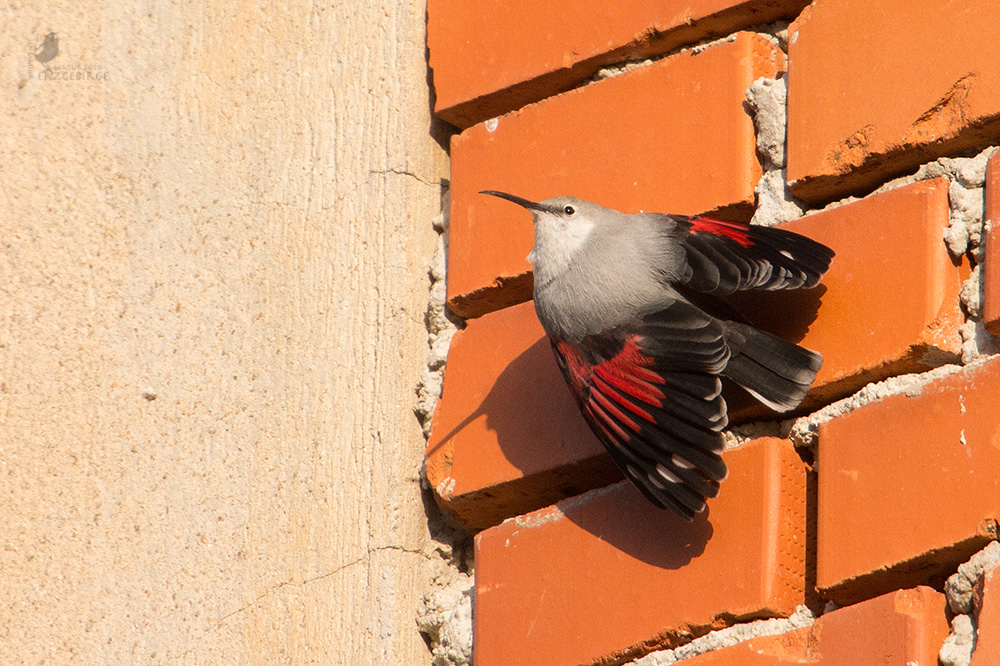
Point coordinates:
pixel 624 270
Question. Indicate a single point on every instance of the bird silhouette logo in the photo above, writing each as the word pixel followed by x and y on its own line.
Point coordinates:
pixel 48 50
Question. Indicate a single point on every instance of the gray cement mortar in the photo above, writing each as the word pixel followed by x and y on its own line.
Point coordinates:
pixel 964 591
pixel 723 638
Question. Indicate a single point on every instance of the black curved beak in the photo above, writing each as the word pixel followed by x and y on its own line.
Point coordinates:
pixel 530 205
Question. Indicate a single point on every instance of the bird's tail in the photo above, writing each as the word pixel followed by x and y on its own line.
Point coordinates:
pixel 775 371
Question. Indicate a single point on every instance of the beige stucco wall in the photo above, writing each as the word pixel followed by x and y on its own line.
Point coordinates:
pixel 212 289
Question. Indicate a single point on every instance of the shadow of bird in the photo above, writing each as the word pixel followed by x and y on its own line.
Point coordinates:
pixel 49 50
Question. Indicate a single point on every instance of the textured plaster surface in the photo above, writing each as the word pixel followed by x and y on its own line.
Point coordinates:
pixel 212 298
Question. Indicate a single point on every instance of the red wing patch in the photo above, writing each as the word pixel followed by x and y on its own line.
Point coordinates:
pixel 629 373
pixel 662 433
pixel 576 368
pixel 733 230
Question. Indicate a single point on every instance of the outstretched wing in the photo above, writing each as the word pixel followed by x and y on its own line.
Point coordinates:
pixel 723 257
pixel 651 393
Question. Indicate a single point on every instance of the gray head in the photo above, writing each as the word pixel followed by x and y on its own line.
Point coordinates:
pixel 562 226
pixel 594 266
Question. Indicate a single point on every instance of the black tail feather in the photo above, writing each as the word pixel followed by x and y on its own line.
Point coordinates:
pixel 773 370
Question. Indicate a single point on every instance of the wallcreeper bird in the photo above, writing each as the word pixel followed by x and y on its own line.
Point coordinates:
pixel 625 301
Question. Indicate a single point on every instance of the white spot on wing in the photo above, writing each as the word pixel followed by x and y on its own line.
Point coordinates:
pixel 681 462
pixel 667 474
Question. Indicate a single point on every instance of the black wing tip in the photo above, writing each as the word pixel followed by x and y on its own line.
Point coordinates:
pixel 801 252
pixel 754 257
pixel 669 503
pixel 679 510
pixel 683 490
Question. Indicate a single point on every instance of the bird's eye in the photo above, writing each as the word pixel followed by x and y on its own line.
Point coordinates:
pixel 569 210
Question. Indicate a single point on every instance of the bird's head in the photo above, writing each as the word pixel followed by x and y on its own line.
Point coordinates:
pixel 562 226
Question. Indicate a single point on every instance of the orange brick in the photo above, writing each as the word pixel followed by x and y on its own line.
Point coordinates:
pixel 489 58
pixel 673 136
pixel 907 485
pixel 874 90
pixel 889 303
pixel 605 576
pixel 990 271
pixel 988 629
pixel 904 628
pixel 508 437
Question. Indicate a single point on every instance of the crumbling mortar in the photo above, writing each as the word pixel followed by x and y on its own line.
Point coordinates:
pixel 775 203
pixel 723 638
pixel 615 69
pixel 964 592
pixel 441 327
pixel 776 32
pixel 444 615
pixel 767 101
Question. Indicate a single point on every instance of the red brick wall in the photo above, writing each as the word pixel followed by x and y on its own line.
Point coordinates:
pixel 890 476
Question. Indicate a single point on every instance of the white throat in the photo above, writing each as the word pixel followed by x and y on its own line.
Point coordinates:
pixel 557 241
